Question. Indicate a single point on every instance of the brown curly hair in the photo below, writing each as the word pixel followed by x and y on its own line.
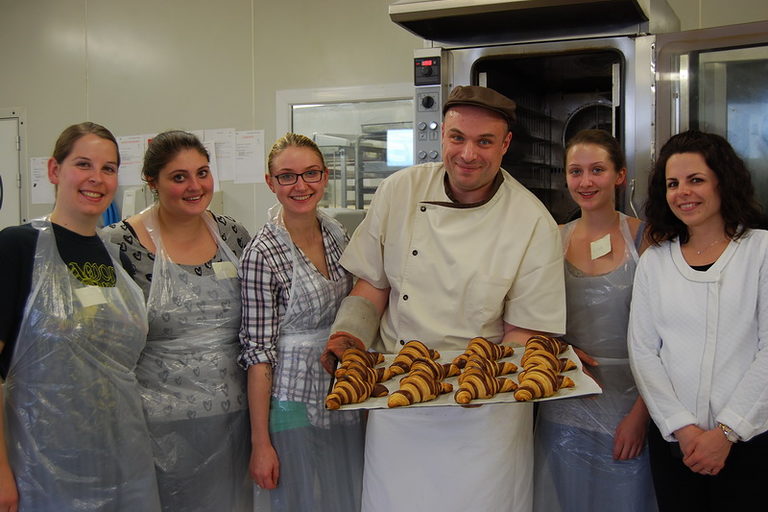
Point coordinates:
pixel 738 206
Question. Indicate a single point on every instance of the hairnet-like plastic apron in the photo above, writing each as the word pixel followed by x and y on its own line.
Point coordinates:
pixel 575 469
pixel 193 390
pixel 320 451
pixel 77 439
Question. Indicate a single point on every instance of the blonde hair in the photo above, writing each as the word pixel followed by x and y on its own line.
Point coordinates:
pixel 292 140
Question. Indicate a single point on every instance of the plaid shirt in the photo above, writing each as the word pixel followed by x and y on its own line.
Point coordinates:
pixel 265 271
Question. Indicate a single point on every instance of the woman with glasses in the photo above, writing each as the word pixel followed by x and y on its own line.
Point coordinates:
pixel 194 393
pixel 307 457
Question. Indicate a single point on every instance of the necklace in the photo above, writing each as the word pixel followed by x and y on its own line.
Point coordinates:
pixel 698 252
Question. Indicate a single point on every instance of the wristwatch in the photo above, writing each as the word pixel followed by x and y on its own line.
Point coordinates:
pixel 729 433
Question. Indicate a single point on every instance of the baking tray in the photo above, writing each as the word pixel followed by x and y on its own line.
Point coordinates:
pixel 585 385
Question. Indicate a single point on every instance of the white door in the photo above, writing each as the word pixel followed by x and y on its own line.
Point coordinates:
pixel 10 204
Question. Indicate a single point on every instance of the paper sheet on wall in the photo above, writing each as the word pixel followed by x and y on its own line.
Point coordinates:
pixel 249 160
pixel 224 140
pixel 132 148
pixel 211 147
pixel 42 189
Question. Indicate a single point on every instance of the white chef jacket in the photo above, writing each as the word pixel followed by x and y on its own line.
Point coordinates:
pixel 455 272
pixel 698 341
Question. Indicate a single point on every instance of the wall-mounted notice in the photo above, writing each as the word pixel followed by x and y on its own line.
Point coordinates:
pixel 249 162
pixel 210 146
pixel 42 189
pixel 132 148
pixel 224 139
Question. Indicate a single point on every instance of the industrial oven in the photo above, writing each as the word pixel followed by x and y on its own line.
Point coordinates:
pixel 620 65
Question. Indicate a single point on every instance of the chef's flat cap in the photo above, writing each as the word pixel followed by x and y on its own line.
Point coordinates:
pixel 483 97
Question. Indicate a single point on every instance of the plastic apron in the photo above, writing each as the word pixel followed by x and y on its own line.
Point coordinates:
pixel 193 390
pixel 320 451
pixel 449 458
pixel 77 439
pixel 575 469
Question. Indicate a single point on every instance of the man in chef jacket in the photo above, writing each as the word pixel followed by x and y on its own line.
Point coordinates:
pixel 449 251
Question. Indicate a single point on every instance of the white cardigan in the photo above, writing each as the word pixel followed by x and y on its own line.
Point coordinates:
pixel 698 340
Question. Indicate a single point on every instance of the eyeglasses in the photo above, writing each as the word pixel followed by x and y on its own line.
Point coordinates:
pixel 289 178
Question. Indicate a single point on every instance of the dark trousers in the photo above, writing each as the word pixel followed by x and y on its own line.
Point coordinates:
pixel 738 486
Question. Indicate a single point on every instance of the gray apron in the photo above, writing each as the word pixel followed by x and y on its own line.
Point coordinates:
pixel 193 390
pixel 77 437
pixel 574 468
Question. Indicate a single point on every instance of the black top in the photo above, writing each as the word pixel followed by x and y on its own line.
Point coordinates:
pixel 85 256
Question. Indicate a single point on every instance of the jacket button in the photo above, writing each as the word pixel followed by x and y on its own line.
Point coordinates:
pixel 415 252
pixel 405 297
pixel 423 208
pixel 402 342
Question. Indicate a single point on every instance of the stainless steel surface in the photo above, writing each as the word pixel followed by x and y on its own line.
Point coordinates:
pixel 475 22
pixel 561 87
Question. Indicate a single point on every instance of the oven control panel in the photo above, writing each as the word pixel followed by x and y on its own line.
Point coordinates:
pixel 428 115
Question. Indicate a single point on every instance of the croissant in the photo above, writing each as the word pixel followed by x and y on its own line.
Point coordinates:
pixel 417 387
pixel 539 342
pixel 540 382
pixel 436 370
pixel 493 368
pixel 478 384
pixel 355 355
pixel 411 351
pixel 357 385
pixel 560 365
pixel 537 357
pixel 485 348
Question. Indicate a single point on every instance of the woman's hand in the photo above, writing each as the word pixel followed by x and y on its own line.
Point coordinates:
pixel 586 360
pixel 264 466
pixel 9 494
pixel 629 438
pixel 707 452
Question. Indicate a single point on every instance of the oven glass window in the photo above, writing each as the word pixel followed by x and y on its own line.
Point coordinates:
pixel 729 97
pixel 362 142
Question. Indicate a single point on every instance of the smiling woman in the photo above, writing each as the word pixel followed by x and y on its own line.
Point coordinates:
pixel 305 456
pixel 72 319
pixel 194 393
pixel 698 342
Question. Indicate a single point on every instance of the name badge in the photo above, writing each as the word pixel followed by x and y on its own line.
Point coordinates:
pixel 90 296
pixel 224 270
pixel 600 247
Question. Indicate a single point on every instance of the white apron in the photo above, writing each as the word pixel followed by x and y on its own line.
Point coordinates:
pixel 77 437
pixel 450 458
pixel 193 390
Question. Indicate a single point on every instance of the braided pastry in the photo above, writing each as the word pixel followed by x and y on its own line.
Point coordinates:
pixel 411 351
pixel 540 382
pixel 355 386
pixel 417 387
pixel 478 384
pixel 493 368
pixel 485 348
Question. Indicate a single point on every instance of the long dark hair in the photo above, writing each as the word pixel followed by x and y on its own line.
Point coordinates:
pixel 738 206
